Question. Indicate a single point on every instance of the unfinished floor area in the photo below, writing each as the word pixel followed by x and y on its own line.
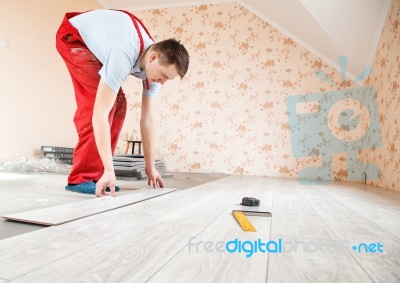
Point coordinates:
pixel 318 232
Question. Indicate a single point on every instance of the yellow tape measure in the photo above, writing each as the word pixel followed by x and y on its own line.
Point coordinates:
pixel 243 221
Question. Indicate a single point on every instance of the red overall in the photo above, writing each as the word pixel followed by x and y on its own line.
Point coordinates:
pixel 84 69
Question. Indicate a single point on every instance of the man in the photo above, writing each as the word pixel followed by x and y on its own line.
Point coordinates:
pixel 101 48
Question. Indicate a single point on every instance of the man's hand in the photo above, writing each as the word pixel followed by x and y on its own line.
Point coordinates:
pixel 107 180
pixel 154 178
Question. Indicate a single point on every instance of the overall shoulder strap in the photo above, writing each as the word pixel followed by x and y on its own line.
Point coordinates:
pixel 135 21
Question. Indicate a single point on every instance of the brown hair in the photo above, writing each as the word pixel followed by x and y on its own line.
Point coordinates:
pixel 173 52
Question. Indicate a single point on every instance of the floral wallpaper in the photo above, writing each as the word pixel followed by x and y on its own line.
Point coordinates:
pixel 240 108
pixel 385 77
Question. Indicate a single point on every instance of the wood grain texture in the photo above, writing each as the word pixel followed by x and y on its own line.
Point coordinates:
pixel 385 212
pixel 205 259
pixel 311 251
pixel 57 215
pixel 352 229
pixel 21 254
pixel 129 256
pixel 348 225
pixel 294 216
pixel 173 238
pixel 313 260
pixel 27 252
pixel 78 243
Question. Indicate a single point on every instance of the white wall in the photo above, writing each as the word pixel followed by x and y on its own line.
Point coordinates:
pixel 36 94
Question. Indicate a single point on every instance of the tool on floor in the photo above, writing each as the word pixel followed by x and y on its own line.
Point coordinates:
pixel 243 221
pixel 250 206
pixel 250 201
pixel 256 213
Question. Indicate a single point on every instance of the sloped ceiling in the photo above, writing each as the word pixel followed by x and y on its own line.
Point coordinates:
pixel 328 28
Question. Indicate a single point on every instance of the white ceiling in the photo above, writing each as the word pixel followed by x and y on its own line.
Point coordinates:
pixel 328 28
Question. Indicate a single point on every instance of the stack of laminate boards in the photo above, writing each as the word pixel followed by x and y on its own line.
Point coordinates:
pixel 131 167
pixel 63 154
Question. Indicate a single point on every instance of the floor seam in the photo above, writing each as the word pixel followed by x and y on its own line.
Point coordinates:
pixel 88 246
pixel 181 249
pixel 332 231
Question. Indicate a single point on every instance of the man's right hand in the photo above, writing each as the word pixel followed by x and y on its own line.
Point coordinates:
pixel 105 100
pixel 107 180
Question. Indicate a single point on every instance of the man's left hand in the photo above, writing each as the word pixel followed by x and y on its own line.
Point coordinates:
pixel 154 178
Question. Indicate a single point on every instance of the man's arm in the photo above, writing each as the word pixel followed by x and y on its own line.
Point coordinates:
pixel 148 132
pixel 105 99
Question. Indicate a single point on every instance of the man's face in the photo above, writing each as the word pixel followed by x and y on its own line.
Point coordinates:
pixel 156 72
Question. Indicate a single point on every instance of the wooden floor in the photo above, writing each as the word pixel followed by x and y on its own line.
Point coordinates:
pixel 182 237
pixel 57 215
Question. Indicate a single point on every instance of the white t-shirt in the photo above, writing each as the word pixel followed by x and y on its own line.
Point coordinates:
pixel 112 37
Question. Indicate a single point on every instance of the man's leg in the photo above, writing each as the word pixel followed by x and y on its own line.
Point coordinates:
pixel 117 118
pixel 83 67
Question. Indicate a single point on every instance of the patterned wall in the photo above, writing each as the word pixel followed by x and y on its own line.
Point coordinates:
pixel 386 79
pixel 232 113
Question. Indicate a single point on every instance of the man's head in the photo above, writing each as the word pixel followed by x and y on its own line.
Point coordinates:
pixel 165 60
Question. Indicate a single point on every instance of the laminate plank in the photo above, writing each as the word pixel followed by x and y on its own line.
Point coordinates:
pixel 381 215
pixel 311 251
pixel 32 253
pixel 209 201
pixel 293 216
pixel 345 222
pixel 57 215
pixel 27 252
pixel 313 260
pixel 384 209
pixel 165 239
pixel 384 198
pixel 72 249
pixel 300 224
pixel 138 255
pixel 201 204
pixel 353 229
pixel 129 256
pixel 205 257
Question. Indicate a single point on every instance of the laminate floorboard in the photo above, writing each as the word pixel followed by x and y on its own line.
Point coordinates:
pixel 311 250
pixel 168 239
pixel 27 252
pixel 208 201
pixel 205 259
pixel 313 260
pixel 350 225
pixel 294 216
pixel 352 229
pixel 380 209
pixel 65 247
pixel 60 214
pixel 55 242
pixel 129 256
